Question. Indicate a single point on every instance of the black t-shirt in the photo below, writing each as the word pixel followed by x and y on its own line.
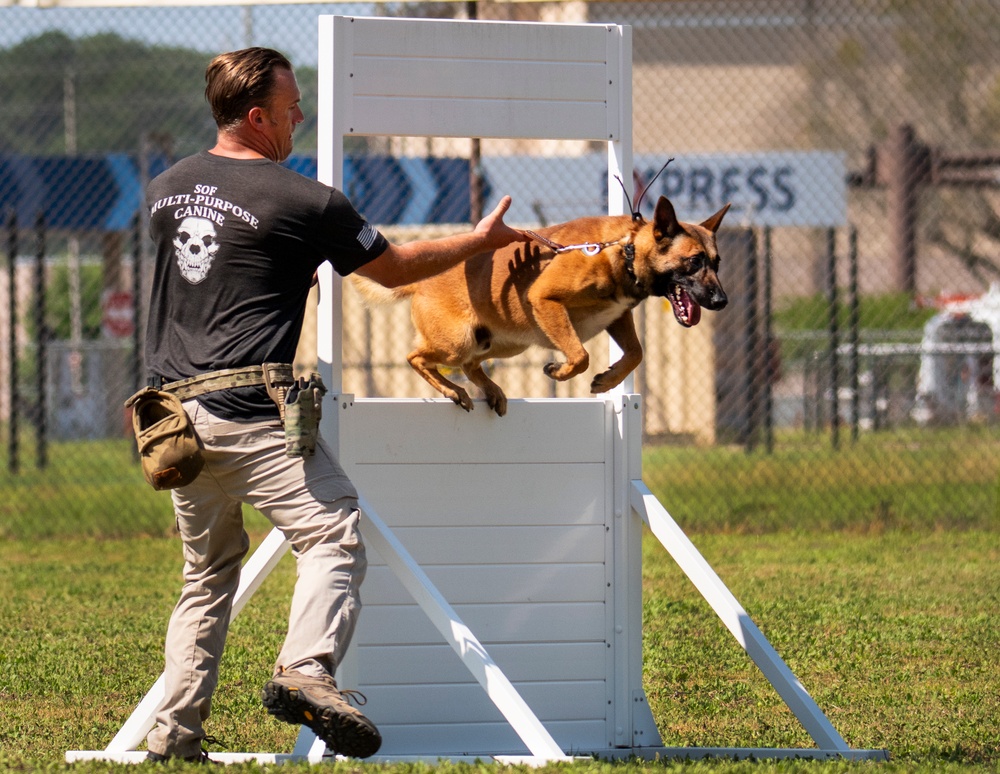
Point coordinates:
pixel 237 244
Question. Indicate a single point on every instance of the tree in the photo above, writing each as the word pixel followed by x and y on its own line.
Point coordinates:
pixel 932 65
pixel 100 94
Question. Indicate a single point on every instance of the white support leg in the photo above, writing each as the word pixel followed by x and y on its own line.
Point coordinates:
pixel 736 619
pixel 309 746
pixel 499 689
pixel 260 564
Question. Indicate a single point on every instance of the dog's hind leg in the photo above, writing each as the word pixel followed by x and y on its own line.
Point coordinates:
pixel 495 397
pixel 427 368
pixel 622 331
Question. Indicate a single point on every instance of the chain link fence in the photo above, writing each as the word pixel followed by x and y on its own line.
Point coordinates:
pixel 852 375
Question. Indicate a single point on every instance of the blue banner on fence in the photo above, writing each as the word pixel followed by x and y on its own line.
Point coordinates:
pixel 104 193
pixel 76 193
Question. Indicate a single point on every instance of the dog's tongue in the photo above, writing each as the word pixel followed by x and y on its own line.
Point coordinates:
pixel 686 309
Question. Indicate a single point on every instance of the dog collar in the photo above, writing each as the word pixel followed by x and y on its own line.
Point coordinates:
pixel 628 249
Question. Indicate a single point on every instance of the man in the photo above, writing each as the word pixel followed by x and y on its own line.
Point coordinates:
pixel 238 241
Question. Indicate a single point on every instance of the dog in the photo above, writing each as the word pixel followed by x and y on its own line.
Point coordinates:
pixel 574 280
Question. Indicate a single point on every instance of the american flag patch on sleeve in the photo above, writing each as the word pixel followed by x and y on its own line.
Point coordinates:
pixel 367 236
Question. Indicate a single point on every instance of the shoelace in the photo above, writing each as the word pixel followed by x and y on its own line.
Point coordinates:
pixel 354 696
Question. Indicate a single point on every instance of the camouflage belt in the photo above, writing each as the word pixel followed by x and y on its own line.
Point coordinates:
pixel 274 375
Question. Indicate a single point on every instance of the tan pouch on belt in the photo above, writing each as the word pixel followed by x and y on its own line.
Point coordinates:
pixel 302 414
pixel 168 444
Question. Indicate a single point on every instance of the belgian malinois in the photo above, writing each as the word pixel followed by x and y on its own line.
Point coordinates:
pixel 583 277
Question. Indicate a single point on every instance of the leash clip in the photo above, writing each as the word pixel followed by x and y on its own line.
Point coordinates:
pixel 589 249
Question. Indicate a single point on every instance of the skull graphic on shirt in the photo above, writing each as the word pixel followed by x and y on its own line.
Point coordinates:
pixel 195 245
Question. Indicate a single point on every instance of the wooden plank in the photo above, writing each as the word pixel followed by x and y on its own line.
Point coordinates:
pixel 405 624
pixel 497 40
pixel 479 78
pixel 457 703
pixel 492 584
pixel 432 546
pixel 504 119
pixel 533 661
pixel 437 431
pixel 470 738
pixel 416 494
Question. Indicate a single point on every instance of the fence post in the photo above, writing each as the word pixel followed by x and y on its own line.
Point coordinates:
pixel 13 460
pixel 136 305
pixel 42 332
pixel 854 331
pixel 906 169
pixel 476 204
pixel 834 335
pixel 751 346
pixel 136 360
pixel 769 370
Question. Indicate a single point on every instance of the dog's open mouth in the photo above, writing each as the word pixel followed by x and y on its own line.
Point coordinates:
pixel 686 309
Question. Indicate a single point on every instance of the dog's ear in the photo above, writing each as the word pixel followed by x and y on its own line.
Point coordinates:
pixel 665 222
pixel 713 223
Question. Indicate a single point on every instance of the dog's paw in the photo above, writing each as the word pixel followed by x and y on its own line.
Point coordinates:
pixel 563 371
pixel 498 402
pixel 553 370
pixel 604 382
pixel 461 398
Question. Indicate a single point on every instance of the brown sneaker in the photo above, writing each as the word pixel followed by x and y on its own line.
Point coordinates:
pixel 317 703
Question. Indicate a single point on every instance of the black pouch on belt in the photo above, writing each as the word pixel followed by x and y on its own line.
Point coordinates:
pixel 168 445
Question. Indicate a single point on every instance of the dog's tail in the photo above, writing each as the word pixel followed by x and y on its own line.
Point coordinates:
pixel 374 294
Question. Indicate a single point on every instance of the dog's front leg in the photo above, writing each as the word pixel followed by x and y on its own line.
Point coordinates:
pixel 554 321
pixel 559 328
pixel 622 331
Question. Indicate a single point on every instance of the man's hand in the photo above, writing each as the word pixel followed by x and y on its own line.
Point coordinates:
pixel 495 232
pixel 411 262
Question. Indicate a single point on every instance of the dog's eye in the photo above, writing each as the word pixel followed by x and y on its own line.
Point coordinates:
pixel 697 262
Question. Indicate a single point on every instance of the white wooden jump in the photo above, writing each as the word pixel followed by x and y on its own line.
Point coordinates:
pixel 515 542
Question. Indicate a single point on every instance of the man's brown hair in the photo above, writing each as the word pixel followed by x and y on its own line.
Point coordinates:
pixel 240 80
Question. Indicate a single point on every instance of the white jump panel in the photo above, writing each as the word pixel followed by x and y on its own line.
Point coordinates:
pixel 512 521
pixel 491 79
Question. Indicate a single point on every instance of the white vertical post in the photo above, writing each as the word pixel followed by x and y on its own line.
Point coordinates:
pixel 627 434
pixel 330 119
pixel 620 146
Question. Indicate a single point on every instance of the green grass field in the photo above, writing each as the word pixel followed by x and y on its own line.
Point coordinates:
pixel 883 600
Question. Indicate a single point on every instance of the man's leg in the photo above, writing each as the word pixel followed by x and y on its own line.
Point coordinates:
pixel 315 506
pixel 211 528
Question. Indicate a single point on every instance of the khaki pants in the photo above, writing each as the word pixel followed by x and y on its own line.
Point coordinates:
pixel 314 504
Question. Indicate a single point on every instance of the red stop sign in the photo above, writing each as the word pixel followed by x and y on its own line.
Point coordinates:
pixel 117 315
